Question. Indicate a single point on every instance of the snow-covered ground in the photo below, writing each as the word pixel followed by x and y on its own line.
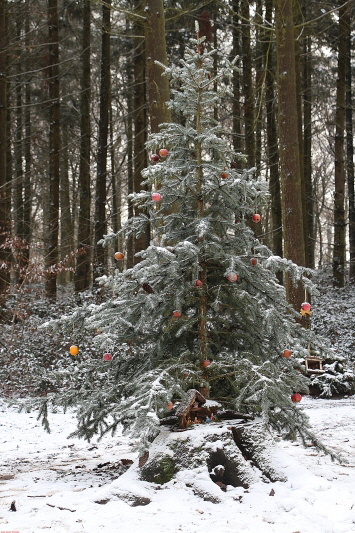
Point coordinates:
pixel 54 482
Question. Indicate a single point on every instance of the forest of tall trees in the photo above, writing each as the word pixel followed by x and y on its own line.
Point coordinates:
pixel 80 91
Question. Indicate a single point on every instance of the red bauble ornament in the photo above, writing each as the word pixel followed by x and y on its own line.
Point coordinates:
pixel 198 283
pixel 296 397
pixel 306 306
pixel 118 256
pixel 155 158
pixel 107 357
pixel 253 261
pixel 256 218
pixel 156 197
pixel 205 363
pixel 176 313
pixel 233 164
pixel 74 350
pixel 224 175
pixel 286 354
pixel 163 152
pixel 170 405
pixel 232 277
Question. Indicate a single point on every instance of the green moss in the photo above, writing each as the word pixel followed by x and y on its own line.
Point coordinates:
pixel 165 470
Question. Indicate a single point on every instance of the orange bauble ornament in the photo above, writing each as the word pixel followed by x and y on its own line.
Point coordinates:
pixel 224 175
pixel 286 354
pixel 232 277
pixel 156 197
pixel 74 350
pixel 296 397
pixel 163 152
pixel 118 256
pixel 205 363
pixel 176 313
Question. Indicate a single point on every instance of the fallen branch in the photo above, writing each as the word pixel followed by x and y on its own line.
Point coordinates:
pixel 62 508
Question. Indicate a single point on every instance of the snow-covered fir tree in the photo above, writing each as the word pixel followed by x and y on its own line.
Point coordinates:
pixel 203 308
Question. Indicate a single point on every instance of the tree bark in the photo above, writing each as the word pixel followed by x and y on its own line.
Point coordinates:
pixel 350 148
pixel 290 168
pixel 249 107
pixel 4 272
pixel 140 132
pixel 18 144
pixel 82 278
pixel 66 218
pixel 237 133
pixel 158 85
pixel 307 145
pixel 51 255
pixel 129 129
pixel 339 166
pixel 271 136
pixel 259 83
pixel 27 144
pixel 105 88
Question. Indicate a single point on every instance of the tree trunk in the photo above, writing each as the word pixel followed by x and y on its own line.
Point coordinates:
pixel 307 145
pixel 51 252
pixel 272 140
pixel 237 133
pixel 105 88
pixel 27 145
pixel 155 44
pixel 290 168
pixel 248 89
pixel 4 272
pixel 237 455
pixel 66 219
pixel 297 20
pixel 350 148
pixel 259 83
pixel 140 132
pixel 339 168
pixel 83 266
pixel 18 144
pixel 129 129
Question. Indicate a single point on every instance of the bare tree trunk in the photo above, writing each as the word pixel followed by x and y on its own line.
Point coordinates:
pixel 249 107
pixel 18 145
pixel 339 169
pixel 158 85
pixel 129 127
pixel 259 83
pixel 51 252
pixel 290 168
pixel 4 273
pixel 307 145
pixel 350 148
pixel 83 266
pixel 272 140
pixel 140 132
pixel 237 133
pixel 27 143
pixel 66 219
pixel 105 87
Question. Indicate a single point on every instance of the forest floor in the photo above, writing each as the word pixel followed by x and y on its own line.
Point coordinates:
pixel 55 482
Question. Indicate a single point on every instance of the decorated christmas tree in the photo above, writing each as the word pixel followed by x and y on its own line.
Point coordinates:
pixel 202 310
